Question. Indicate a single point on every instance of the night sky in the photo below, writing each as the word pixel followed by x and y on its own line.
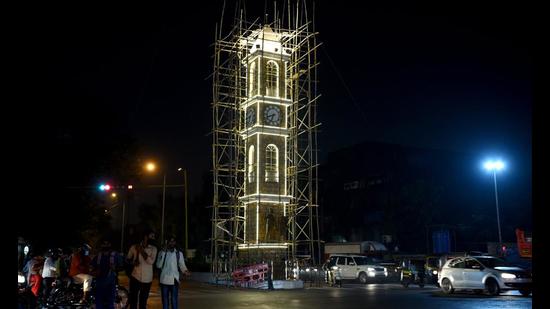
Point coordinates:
pixel 455 77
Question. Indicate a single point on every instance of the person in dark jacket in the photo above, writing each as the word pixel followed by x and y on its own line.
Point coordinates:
pixel 105 265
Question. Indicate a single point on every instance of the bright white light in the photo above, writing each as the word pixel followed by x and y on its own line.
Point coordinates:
pixel 434 272
pixel 20 279
pixel 26 250
pixel 494 165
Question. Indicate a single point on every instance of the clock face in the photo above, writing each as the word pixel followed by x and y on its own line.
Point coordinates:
pixel 272 115
pixel 250 116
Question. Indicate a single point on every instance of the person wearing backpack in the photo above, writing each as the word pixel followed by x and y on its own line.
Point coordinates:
pixel 170 261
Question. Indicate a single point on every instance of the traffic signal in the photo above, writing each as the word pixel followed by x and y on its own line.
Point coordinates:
pixel 104 187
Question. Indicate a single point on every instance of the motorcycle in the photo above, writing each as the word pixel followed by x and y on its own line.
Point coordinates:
pixel 68 293
pixel 413 272
pixel 25 298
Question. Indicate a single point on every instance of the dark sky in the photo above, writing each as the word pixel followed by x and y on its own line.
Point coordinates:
pixel 454 77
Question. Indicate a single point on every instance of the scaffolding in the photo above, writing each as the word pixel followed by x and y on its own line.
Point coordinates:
pixel 230 91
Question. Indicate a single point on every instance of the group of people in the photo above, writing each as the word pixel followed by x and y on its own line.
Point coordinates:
pixel 140 261
pixel 41 273
pixel 169 261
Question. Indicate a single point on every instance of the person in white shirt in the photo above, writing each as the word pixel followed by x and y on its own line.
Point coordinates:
pixel 143 257
pixel 51 271
pixel 170 262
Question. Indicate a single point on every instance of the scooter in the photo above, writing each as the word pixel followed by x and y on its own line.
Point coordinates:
pixel 25 298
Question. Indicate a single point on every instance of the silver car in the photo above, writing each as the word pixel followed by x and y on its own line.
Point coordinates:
pixel 357 267
pixel 483 273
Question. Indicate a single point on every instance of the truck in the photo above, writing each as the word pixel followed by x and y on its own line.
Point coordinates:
pixel 370 248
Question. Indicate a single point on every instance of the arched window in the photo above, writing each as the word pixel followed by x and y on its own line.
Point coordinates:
pixel 252 79
pixel 271 163
pixel 272 79
pixel 251 165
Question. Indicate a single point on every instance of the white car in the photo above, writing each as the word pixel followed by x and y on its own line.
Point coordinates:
pixel 356 267
pixel 483 273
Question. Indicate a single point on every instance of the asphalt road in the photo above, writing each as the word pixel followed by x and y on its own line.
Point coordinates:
pixel 352 295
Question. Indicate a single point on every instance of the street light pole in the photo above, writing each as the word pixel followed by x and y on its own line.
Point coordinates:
pixel 495 166
pixel 180 169
pixel 185 181
pixel 122 228
pixel 163 203
pixel 498 215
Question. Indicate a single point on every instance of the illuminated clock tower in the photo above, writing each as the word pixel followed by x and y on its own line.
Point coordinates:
pixel 265 134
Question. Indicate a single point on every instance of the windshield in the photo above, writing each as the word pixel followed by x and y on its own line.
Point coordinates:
pixel 493 262
pixel 366 260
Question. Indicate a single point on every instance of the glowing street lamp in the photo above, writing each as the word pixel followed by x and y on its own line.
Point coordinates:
pixel 495 166
pixel 151 167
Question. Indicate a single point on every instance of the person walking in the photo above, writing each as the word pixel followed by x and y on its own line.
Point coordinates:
pixel 170 262
pixel 105 265
pixel 142 256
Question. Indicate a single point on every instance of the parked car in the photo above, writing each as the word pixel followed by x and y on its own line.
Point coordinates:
pixel 358 267
pixel 483 273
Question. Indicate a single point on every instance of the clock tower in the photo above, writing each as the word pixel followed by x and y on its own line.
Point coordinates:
pixel 265 136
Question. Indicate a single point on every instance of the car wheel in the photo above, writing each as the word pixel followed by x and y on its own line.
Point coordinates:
pixel 363 278
pixel 525 292
pixel 492 288
pixel 447 286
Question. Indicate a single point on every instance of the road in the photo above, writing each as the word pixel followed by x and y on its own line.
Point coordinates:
pixel 352 295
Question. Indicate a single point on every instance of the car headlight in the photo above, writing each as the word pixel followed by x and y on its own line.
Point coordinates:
pixel 20 279
pixel 508 276
pixel 370 269
pixel 434 272
pixel 334 267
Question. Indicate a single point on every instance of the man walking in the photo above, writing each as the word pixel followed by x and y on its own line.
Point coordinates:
pixel 170 262
pixel 142 256
pixel 105 265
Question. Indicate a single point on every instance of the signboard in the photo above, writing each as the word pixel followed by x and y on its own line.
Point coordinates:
pixel 525 244
pixel 441 241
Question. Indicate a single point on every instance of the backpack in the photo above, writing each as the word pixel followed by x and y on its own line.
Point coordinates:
pixel 164 260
